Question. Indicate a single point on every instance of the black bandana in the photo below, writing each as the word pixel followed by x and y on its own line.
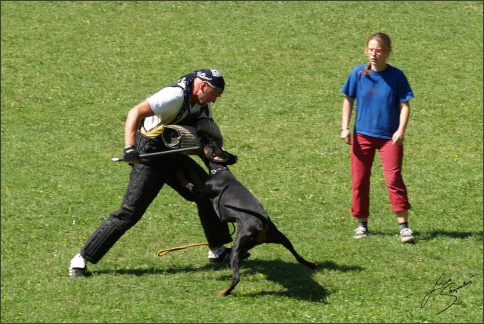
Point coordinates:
pixel 213 77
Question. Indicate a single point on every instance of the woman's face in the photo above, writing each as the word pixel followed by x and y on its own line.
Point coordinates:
pixel 376 53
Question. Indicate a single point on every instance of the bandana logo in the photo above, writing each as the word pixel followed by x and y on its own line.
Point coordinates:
pixel 216 73
pixel 203 76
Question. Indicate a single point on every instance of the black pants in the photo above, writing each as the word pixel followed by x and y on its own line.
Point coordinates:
pixel 146 180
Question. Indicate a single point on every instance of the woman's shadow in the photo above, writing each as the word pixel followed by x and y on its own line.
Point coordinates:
pixel 429 235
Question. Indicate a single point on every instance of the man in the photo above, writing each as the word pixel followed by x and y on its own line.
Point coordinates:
pixel 186 102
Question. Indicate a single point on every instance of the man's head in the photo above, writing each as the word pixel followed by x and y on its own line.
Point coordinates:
pixel 208 85
pixel 213 77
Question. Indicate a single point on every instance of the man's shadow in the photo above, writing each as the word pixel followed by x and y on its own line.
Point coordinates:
pixel 294 277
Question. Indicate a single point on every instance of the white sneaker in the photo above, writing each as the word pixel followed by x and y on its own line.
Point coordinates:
pixel 77 267
pixel 361 232
pixel 406 235
pixel 222 254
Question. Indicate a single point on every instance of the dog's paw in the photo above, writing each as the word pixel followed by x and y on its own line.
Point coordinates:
pixel 223 293
pixel 312 265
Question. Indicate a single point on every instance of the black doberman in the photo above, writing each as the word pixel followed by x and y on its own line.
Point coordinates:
pixel 233 202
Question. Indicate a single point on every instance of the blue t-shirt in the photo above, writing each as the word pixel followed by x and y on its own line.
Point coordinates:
pixel 378 97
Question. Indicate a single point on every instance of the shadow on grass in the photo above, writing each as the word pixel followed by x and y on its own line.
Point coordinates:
pixel 451 234
pixel 424 235
pixel 294 277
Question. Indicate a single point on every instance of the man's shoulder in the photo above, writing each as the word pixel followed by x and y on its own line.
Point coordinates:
pixel 176 85
pixel 175 88
pixel 174 91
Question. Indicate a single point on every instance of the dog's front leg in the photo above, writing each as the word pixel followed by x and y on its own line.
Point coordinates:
pixel 235 281
pixel 194 178
pixel 244 241
pixel 181 178
pixel 194 189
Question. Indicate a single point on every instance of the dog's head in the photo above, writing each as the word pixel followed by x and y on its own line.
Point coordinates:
pixel 212 152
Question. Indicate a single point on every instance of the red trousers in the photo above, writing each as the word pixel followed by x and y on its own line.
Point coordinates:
pixel 362 155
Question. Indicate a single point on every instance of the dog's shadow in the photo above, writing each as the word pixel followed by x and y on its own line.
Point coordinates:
pixel 294 277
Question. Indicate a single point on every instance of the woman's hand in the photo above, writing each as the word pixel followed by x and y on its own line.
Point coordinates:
pixel 346 135
pixel 397 138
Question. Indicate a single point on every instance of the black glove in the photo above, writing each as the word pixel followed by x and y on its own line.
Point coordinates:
pixel 131 153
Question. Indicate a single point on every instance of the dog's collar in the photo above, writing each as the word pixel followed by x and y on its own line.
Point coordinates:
pixel 217 170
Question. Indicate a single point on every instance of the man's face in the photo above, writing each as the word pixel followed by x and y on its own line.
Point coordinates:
pixel 207 94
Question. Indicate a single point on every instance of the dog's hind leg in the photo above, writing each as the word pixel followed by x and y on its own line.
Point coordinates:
pixel 273 235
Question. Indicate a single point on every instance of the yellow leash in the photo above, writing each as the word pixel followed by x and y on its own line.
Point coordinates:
pixel 165 251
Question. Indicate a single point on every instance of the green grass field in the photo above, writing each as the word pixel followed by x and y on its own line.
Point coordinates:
pixel 72 70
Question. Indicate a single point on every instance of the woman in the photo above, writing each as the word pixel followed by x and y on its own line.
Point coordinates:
pixel 382 94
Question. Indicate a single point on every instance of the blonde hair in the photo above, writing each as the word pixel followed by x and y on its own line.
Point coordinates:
pixel 385 42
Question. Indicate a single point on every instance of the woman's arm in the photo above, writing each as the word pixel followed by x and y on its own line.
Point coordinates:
pixel 398 136
pixel 345 121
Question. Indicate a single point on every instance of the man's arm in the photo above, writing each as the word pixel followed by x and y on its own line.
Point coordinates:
pixel 135 115
pixel 211 130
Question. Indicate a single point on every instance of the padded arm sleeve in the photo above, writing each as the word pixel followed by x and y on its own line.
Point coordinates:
pixel 211 130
